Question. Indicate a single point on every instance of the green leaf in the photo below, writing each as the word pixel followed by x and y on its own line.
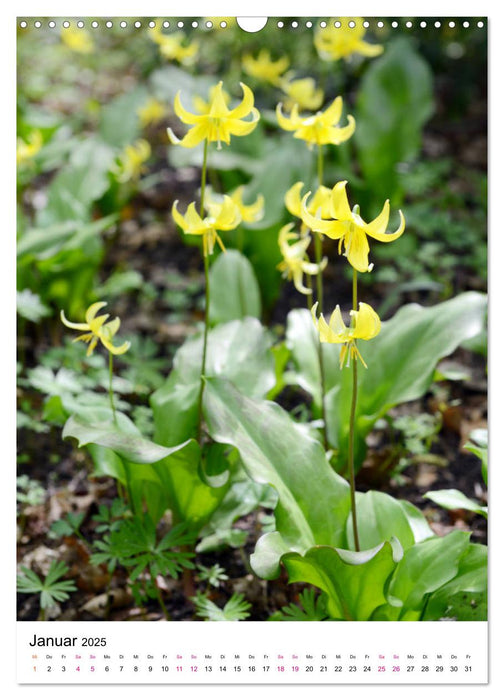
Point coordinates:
pixel 312 609
pixel 45 242
pixel 83 181
pixel 238 350
pixel 394 102
pixel 401 363
pixel 190 498
pixel 381 517
pixel 464 597
pixel 234 292
pixel 237 608
pixel 123 438
pixel 277 451
pixel 243 496
pixel 426 567
pixel 479 447
pixel 119 121
pixel 452 499
pixel 354 582
pixel 30 306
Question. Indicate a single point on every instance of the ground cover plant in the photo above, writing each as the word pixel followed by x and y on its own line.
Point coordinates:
pixel 251 320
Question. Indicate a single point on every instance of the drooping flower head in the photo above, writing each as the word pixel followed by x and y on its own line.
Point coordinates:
pixel 219 123
pixel 320 203
pixel 320 128
pixel 335 42
pixel 264 67
pixel 248 212
pixel 77 39
pixel 26 150
pixel 365 325
pixel 302 92
pixel 173 47
pixel 203 106
pixel 347 226
pixel 131 162
pixel 222 216
pixel 97 330
pixel 152 112
pixel 295 261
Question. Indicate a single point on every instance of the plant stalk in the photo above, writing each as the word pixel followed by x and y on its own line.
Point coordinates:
pixel 207 294
pixel 353 406
pixel 111 393
pixel 320 299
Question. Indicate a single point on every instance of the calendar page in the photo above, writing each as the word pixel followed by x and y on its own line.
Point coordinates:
pixel 251 289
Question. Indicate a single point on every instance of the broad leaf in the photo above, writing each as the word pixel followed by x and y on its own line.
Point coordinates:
pixel 401 362
pixel 234 292
pixel 355 582
pixel 313 501
pixel 238 350
pixel 453 499
pixel 394 102
pixel 123 438
pixel 464 597
pixel 381 517
pixel 424 568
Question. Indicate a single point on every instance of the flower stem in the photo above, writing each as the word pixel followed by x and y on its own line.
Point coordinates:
pixel 353 406
pixel 320 299
pixel 160 599
pixel 111 393
pixel 207 293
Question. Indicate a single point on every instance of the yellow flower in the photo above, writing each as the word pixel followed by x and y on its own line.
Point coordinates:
pixel 320 128
pixel 131 161
pixel 319 204
pixel 349 228
pixel 151 112
pixel 25 150
pixel 203 107
pixel 248 212
pixel 222 216
pixel 77 39
pixel 365 325
pixel 264 68
pixel 301 92
pixel 98 330
pixel 295 261
pixel 219 123
pixel 171 45
pixel 333 43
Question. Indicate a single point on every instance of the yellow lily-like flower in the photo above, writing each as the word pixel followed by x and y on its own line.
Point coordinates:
pixel 203 106
pixel 347 226
pixel 301 92
pixel 171 46
pixel 98 330
pixel 320 128
pixel 219 123
pixel 152 112
pixel 365 325
pixel 131 161
pixel 319 204
pixel 295 261
pixel 248 212
pixel 222 216
pixel 264 67
pixel 25 150
pixel 333 43
pixel 77 39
